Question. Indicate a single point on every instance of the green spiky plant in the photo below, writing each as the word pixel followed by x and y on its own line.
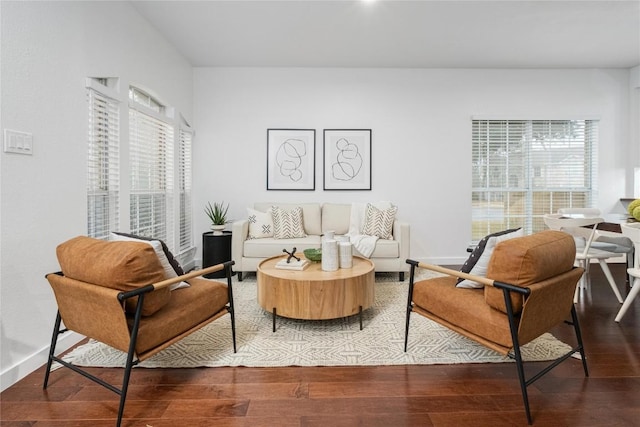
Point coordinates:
pixel 217 213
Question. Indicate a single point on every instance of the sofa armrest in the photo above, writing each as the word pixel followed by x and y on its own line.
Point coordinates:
pixel 240 231
pixel 401 233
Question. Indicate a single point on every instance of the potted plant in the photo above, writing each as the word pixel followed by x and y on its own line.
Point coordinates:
pixel 217 213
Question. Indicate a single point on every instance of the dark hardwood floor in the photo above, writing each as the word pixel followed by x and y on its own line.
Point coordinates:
pixel 440 395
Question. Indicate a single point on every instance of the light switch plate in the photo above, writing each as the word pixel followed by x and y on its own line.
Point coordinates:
pixel 18 142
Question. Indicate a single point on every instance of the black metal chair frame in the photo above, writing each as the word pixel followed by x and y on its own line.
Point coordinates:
pixel 515 354
pixel 131 358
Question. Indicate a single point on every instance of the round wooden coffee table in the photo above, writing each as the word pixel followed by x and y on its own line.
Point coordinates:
pixel 314 294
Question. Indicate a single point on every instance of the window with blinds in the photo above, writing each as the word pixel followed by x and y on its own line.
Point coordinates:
pixel 151 145
pixel 523 169
pixel 103 168
pixel 184 187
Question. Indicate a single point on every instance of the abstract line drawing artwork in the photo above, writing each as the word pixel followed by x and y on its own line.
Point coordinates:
pixel 347 159
pixel 291 159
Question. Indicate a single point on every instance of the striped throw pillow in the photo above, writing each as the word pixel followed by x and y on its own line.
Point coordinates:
pixel 378 222
pixel 287 224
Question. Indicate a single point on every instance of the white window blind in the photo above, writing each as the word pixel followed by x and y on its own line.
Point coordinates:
pixel 151 162
pixel 103 168
pixel 523 169
pixel 184 186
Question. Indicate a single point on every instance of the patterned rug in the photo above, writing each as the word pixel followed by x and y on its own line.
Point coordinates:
pixel 337 342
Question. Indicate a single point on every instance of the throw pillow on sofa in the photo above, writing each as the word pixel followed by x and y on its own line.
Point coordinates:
pixel 287 224
pixel 379 222
pixel 260 224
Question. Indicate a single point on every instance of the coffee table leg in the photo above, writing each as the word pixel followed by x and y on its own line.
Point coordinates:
pixel 274 319
pixel 360 313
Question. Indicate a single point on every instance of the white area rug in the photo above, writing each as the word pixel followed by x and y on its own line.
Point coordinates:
pixel 320 343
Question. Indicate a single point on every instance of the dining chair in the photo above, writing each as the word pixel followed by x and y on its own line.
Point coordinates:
pixel 585 228
pixel 632 231
pixel 606 240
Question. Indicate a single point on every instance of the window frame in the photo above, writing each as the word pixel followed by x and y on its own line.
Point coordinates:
pixel 151 169
pixel 103 157
pixel 535 199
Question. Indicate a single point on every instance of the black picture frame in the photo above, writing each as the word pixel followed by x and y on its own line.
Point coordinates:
pixel 291 159
pixel 347 159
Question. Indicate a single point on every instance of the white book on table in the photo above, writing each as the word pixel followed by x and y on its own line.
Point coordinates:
pixel 293 264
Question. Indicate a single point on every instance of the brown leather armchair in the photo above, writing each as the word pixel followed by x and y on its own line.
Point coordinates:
pixel 116 293
pixel 528 290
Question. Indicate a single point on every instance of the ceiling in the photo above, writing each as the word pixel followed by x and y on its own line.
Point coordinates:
pixel 405 34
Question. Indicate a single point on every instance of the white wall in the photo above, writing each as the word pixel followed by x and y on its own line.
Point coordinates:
pixel 48 49
pixel 421 135
pixel 633 174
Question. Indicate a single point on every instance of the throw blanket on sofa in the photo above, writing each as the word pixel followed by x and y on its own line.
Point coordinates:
pixel 363 243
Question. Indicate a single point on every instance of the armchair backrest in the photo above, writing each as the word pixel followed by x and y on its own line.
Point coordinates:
pixel 120 265
pixel 93 311
pixel 525 261
pixel 544 263
pixel 93 273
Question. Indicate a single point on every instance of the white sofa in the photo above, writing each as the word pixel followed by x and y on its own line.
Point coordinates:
pixel 388 256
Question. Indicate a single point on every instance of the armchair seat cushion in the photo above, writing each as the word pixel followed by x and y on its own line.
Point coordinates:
pixel 187 308
pixel 464 308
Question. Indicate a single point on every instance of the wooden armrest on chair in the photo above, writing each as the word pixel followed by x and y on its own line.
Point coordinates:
pixel 168 282
pixel 450 272
pixel 483 280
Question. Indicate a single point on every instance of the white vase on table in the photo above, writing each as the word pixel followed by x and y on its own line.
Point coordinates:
pixel 330 256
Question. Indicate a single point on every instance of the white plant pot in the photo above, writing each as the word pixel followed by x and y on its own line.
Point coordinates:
pixel 217 229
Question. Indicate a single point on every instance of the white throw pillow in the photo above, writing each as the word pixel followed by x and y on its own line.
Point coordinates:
pixel 260 224
pixel 287 224
pixel 379 222
pixel 169 272
pixel 480 269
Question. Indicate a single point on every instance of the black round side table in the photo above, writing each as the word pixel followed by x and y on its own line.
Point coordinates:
pixel 215 250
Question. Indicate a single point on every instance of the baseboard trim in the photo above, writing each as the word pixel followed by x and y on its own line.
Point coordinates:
pixel 15 373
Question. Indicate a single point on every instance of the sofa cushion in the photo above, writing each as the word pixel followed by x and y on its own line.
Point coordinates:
pixel 379 222
pixel 270 246
pixel 260 224
pixel 527 260
pixel 478 261
pixel 463 307
pixel 310 214
pixel 335 217
pixel 118 265
pixel 287 224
